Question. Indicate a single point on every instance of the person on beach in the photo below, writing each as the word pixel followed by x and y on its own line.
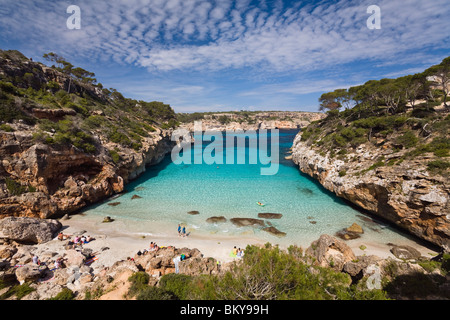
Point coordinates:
pixel 184 231
pixel 179 230
pixel 58 263
pixel 62 236
pixel 36 260
pixel 176 261
pixel 238 253
pixel 235 251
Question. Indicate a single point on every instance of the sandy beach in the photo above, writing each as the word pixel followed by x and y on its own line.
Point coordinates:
pixel 112 245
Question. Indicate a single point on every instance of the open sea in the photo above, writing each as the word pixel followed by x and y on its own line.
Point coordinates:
pixel 168 191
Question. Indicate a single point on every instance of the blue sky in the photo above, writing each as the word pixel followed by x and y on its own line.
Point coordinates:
pixel 207 55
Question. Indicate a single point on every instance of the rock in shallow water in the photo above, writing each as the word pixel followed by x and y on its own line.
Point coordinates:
pixel 270 215
pixel 245 222
pixel 275 231
pixel 216 219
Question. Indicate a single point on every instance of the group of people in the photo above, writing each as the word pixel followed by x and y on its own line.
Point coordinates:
pixel 181 231
pixel 58 262
pixel 153 247
pixel 78 241
pixel 238 252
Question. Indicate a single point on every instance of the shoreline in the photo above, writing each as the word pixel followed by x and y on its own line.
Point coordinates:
pixel 121 245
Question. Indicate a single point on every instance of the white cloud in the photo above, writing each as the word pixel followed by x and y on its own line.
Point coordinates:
pixel 215 35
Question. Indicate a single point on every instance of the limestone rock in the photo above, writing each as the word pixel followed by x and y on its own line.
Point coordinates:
pixel 245 222
pixel 405 252
pixel 328 251
pixel 404 194
pixel 216 219
pixel 270 215
pixel 31 230
pixel 356 228
pixel 28 273
pixel 275 231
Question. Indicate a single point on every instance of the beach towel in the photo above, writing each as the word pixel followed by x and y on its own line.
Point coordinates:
pixel 91 260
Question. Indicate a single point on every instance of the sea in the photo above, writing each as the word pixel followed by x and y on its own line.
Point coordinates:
pixel 167 194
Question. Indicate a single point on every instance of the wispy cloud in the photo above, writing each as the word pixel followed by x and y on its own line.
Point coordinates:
pixel 215 35
pixel 243 38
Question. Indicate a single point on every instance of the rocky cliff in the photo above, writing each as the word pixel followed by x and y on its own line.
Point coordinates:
pixel 61 180
pixel 231 121
pixel 384 181
pixel 66 143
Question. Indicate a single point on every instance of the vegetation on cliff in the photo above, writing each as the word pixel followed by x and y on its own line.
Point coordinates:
pixel 409 114
pixel 32 92
pixel 270 273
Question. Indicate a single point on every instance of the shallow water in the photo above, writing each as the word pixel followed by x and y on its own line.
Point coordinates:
pixel 168 192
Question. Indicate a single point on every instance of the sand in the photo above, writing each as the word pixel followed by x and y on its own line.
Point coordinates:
pixel 122 245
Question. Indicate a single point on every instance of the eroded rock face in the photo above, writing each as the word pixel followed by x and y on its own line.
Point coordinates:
pixel 60 180
pixel 330 252
pixel 406 194
pixel 30 230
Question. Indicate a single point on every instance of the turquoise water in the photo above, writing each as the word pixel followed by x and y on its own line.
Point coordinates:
pixel 168 191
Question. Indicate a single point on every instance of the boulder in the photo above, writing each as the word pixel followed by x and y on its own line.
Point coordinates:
pixel 245 222
pixel 270 215
pixel 29 273
pixel 405 252
pixel 216 219
pixel 29 230
pixel 193 212
pixel 354 267
pixel 275 231
pixel 355 228
pixel 108 219
pixel 328 251
pixel 74 258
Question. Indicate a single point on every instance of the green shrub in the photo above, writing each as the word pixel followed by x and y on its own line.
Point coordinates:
pixel 65 294
pixel 6 128
pixel 14 187
pixel 115 156
pixel 154 293
pixel 270 273
pixel 438 165
pixel 177 284
pixel 408 139
pixel 142 291
pixel 19 291
pixel 139 281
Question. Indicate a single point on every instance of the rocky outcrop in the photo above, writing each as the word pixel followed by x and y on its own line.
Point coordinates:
pixel 29 230
pixel 270 215
pixel 245 222
pixel 405 194
pixel 60 180
pixel 256 121
pixel 328 251
pixel 219 219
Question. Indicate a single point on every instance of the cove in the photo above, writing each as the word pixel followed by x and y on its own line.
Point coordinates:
pixel 161 198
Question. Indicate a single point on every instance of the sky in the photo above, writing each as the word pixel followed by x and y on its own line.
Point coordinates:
pixel 226 55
